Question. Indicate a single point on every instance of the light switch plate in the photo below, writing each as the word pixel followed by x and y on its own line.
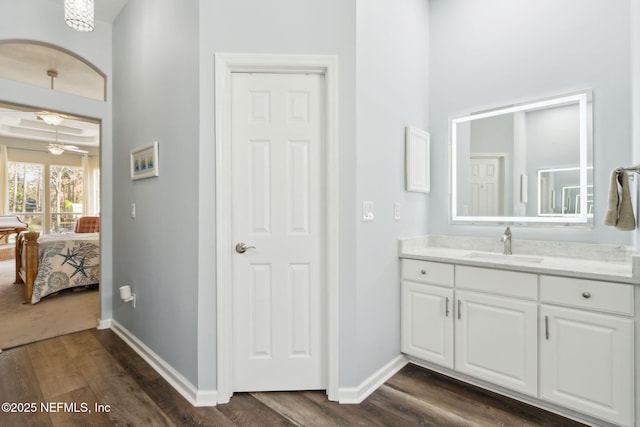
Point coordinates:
pixel 367 211
pixel 396 211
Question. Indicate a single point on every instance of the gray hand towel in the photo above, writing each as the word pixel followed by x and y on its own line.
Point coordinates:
pixel 626 220
pixel 611 216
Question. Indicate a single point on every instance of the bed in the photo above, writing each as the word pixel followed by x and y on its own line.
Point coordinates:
pixel 50 263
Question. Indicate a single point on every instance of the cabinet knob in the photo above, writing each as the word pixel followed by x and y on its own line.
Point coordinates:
pixel 423 272
pixel 586 295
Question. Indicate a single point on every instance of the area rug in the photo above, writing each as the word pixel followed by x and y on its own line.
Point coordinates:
pixel 55 315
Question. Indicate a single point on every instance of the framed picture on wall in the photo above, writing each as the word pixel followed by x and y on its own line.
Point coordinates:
pixel 144 161
pixel 417 160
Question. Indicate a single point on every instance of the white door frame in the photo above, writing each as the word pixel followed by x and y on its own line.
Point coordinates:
pixel 225 65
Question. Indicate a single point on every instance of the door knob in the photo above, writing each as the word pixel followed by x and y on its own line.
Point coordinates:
pixel 242 247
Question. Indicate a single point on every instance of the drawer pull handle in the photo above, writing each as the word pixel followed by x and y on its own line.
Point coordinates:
pixel 586 295
pixel 446 305
pixel 423 272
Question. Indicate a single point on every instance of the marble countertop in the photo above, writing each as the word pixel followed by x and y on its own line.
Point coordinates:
pixel 586 261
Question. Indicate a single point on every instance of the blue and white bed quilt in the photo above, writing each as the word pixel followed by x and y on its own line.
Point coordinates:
pixel 66 261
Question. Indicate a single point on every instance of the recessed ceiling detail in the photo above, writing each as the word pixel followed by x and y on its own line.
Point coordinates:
pixel 21 127
pixel 32 62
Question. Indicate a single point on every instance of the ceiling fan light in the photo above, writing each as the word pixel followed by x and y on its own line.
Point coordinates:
pixel 56 149
pixel 78 14
pixel 51 119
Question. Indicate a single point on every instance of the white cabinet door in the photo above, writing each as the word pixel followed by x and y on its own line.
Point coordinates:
pixel 587 362
pixel 496 340
pixel 427 322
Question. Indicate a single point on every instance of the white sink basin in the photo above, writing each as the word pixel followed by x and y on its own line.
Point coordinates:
pixel 504 258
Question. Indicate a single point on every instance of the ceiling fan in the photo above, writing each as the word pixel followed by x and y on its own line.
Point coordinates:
pixel 57 148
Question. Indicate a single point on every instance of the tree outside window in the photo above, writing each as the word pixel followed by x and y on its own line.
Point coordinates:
pixel 66 197
pixel 26 192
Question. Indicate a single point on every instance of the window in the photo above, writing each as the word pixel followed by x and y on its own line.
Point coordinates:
pixel 65 197
pixel 26 193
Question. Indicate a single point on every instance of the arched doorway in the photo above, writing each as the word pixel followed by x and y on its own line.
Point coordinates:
pixel 30 138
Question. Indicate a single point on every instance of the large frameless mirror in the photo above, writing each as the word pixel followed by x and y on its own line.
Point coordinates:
pixel 528 163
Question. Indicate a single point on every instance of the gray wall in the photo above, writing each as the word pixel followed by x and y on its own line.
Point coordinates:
pixel 496 52
pixel 42 21
pixel 392 91
pixel 156 92
pixel 180 293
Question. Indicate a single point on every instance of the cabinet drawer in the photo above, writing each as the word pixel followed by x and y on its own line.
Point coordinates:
pixel 427 272
pixel 592 294
pixel 502 282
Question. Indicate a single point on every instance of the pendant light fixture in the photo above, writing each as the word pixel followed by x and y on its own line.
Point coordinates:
pixel 78 14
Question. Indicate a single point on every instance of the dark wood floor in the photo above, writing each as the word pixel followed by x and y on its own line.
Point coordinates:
pixel 97 367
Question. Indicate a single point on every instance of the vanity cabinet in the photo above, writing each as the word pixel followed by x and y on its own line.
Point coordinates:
pixel 427 311
pixel 495 336
pixel 586 347
pixel 562 343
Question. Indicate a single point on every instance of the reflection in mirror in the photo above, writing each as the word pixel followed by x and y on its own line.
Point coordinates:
pixel 559 192
pixel 503 157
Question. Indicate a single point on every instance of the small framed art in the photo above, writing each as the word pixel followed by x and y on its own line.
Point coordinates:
pixel 144 161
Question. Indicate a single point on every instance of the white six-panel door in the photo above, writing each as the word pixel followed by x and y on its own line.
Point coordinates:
pixel 484 187
pixel 277 199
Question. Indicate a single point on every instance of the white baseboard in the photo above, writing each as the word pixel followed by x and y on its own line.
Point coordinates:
pixel 178 382
pixel 104 324
pixel 361 392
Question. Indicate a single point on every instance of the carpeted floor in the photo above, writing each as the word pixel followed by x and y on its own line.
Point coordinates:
pixel 55 315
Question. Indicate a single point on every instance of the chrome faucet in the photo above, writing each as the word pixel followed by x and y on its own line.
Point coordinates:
pixel 506 239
